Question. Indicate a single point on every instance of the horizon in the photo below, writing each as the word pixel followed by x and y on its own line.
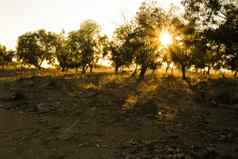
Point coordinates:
pixel 30 15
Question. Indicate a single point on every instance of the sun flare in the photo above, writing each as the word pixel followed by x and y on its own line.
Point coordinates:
pixel 166 38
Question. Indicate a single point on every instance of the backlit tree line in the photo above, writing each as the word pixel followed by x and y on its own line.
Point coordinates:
pixel 205 38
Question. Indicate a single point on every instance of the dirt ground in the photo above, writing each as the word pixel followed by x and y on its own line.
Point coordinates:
pixel 104 116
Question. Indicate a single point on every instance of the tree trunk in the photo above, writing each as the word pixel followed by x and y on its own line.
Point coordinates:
pixel 116 69
pixel 154 69
pixel 196 70
pixel 91 68
pixel 39 68
pixel 172 70
pixel 135 71
pixel 142 72
pixel 235 74
pixel 203 72
pixel 223 75
pixel 208 70
pixel 83 70
pixel 167 68
pixel 184 72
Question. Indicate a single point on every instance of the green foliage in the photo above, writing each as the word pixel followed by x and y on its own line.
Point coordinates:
pixel 85 46
pixel 204 38
pixel 207 13
pixel 35 47
pixel 215 22
pixel 62 55
pixel 222 40
pixel 5 55
pixel 228 37
pixel 184 51
pixel 182 56
pixel 121 47
pixel 150 20
pixel 2 54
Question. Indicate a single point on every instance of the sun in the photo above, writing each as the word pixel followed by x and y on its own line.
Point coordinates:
pixel 166 38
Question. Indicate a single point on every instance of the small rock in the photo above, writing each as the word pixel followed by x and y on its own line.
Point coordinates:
pixel 222 138
pixel 42 108
pixel 82 145
pixel 1 106
pixel 93 108
pixel 98 145
pixel 132 142
pixel 170 150
pixel 210 152
pixel 65 137
pixel 17 96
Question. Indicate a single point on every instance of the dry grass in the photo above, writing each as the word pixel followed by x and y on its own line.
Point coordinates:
pixel 116 116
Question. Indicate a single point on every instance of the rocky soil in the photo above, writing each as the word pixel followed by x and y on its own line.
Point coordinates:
pixel 101 116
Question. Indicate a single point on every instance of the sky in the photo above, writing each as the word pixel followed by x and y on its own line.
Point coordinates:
pixel 20 16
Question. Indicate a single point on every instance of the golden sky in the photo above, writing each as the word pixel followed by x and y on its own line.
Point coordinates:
pixel 20 16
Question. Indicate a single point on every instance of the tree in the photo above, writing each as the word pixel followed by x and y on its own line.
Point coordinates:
pixel 116 56
pixel 201 56
pixel 221 41
pixel 2 55
pixel 84 45
pixel 207 13
pixel 101 49
pixel 178 29
pixel 146 54
pixel 228 33
pixel 121 46
pixel 89 31
pixel 150 19
pixel 219 26
pixel 181 55
pixel 35 47
pixel 62 55
pixel 5 56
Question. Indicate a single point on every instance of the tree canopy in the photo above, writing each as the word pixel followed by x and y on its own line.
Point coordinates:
pixel 205 38
pixel 35 47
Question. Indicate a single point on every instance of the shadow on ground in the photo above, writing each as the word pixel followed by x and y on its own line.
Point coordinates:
pixel 115 116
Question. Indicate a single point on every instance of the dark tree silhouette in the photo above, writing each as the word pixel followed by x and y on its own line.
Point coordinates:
pixel 5 56
pixel 35 47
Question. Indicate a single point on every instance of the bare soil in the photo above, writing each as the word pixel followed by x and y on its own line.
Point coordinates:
pixel 104 116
